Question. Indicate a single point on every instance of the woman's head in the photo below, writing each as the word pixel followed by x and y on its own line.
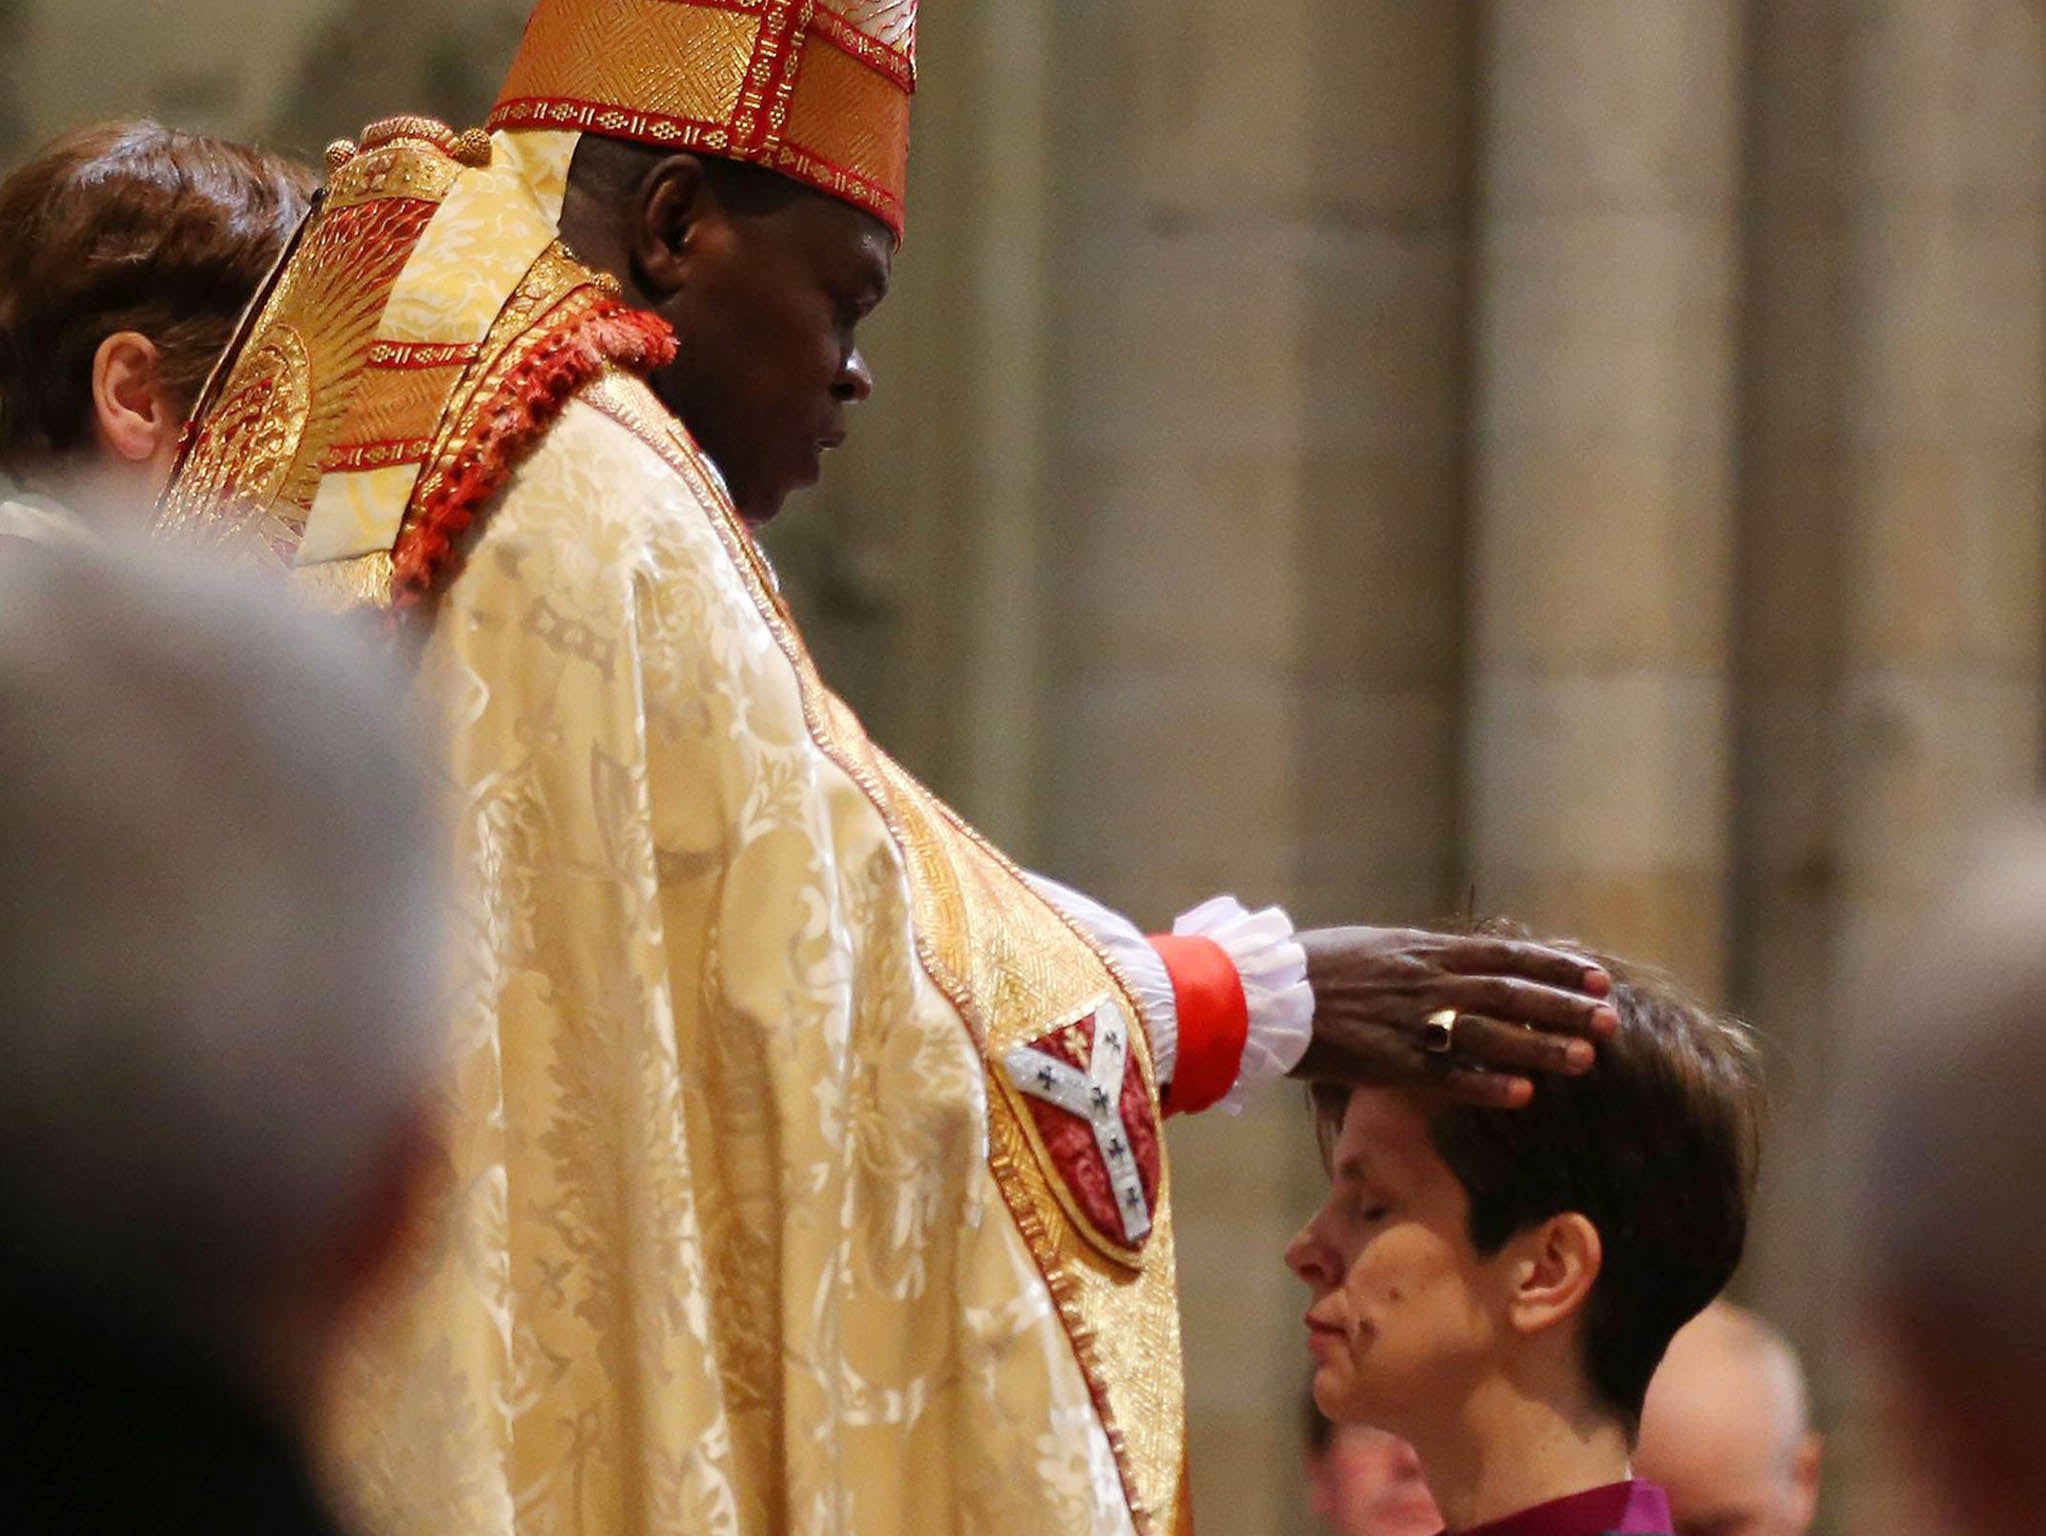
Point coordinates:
pixel 1567 1241
pixel 128 251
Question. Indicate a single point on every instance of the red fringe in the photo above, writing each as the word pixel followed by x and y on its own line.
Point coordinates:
pixel 529 401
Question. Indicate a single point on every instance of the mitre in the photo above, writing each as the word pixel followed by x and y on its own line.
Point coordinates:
pixel 817 90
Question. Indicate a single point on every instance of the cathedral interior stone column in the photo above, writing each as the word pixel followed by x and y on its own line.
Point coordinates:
pixel 1599 756
pixel 1260 364
pixel 1945 428
pixel 1794 595
pixel 1942 545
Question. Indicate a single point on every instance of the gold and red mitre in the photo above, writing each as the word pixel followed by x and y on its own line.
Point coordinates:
pixel 817 90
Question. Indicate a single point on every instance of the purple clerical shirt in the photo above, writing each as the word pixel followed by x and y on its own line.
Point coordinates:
pixel 1618 1509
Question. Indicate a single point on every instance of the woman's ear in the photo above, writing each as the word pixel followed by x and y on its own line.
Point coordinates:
pixel 134 419
pixel 1557 1264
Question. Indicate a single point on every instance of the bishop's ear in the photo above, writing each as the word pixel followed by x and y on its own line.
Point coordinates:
pixel 1556 1264
pixel 134 418
pixel 675 212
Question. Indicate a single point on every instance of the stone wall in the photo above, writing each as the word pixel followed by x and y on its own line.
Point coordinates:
pixel 296 73
pixel 1581 457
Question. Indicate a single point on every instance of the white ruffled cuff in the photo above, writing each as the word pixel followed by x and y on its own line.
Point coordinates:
pixel 1141 966
pixel 1268 959
pixel 1273 968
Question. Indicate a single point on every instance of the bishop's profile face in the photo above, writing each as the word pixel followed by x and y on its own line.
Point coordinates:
pixel 769 360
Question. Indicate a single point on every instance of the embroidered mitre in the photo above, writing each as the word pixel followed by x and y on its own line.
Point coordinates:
pixel 817 90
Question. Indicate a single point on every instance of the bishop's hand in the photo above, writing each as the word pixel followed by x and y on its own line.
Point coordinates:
pixel 1476 1015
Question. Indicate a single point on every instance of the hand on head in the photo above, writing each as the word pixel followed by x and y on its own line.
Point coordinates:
pixel 1478 1015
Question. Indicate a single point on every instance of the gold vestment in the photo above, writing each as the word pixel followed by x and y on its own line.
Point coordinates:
pixel 750 1229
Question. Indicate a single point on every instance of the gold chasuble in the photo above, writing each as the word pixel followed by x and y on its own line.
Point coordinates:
pixel 804 1167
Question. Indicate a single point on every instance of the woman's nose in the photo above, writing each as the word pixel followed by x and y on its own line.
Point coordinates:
pixel 1305 1257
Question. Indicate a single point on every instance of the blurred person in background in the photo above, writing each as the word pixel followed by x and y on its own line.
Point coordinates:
pixel 1944 1145
pixel 1727 1430
pixel 814 1147
pixel 128 252
pixel 220 1025
pixel 1364 1482
pixel 1496 1287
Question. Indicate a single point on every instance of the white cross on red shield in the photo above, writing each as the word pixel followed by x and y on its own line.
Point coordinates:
pixel 1096 1124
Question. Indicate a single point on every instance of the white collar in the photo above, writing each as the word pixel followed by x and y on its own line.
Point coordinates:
pixel 25 514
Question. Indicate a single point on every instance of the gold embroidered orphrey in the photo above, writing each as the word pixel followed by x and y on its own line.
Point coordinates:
pixel 664 1115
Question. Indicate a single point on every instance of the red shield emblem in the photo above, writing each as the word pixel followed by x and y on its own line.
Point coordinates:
pixel 1095 1124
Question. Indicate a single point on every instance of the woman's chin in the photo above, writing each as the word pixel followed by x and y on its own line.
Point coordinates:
pixel 1335 1392
pixel 1344 1399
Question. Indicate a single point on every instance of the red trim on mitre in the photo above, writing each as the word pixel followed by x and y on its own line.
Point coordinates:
pixel 1214 1021
pixel 529 399
pixel 614 122
pixel 799 164
pixel 756 130
pixel 680 133
pixel 849 39
pixel 770 76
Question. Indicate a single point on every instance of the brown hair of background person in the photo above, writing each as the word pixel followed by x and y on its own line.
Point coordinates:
pixel 119 229
pixel 1657 1147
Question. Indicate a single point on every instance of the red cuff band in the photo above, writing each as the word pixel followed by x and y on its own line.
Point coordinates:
pixel 1214 1021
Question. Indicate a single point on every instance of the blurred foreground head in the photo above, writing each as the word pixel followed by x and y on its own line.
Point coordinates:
pixel 128 252
pixel 219 915
pixel 1363 1481
pixel 1945 1146
pixel 1727 1431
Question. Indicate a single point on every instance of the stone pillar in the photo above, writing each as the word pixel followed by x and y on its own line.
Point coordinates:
pixel 1895 571
pixel 1795 593
pixel 13 78
pixel 1599 759
pixel 96 59
pixel 299 73
pixel 1945 439
pixel 1261 319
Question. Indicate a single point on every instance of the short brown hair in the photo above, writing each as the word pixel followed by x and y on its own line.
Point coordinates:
pixel 128 227
pixel 1657 1147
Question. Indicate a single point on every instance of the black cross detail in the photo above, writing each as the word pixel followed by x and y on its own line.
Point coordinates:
pixel 1115 1146
pixel 1101 1098
pixel 1114 1038
pixel 1133 1198
pixel 1045 1078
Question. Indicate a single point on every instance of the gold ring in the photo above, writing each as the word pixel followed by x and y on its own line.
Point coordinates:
pixel 1438 1035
